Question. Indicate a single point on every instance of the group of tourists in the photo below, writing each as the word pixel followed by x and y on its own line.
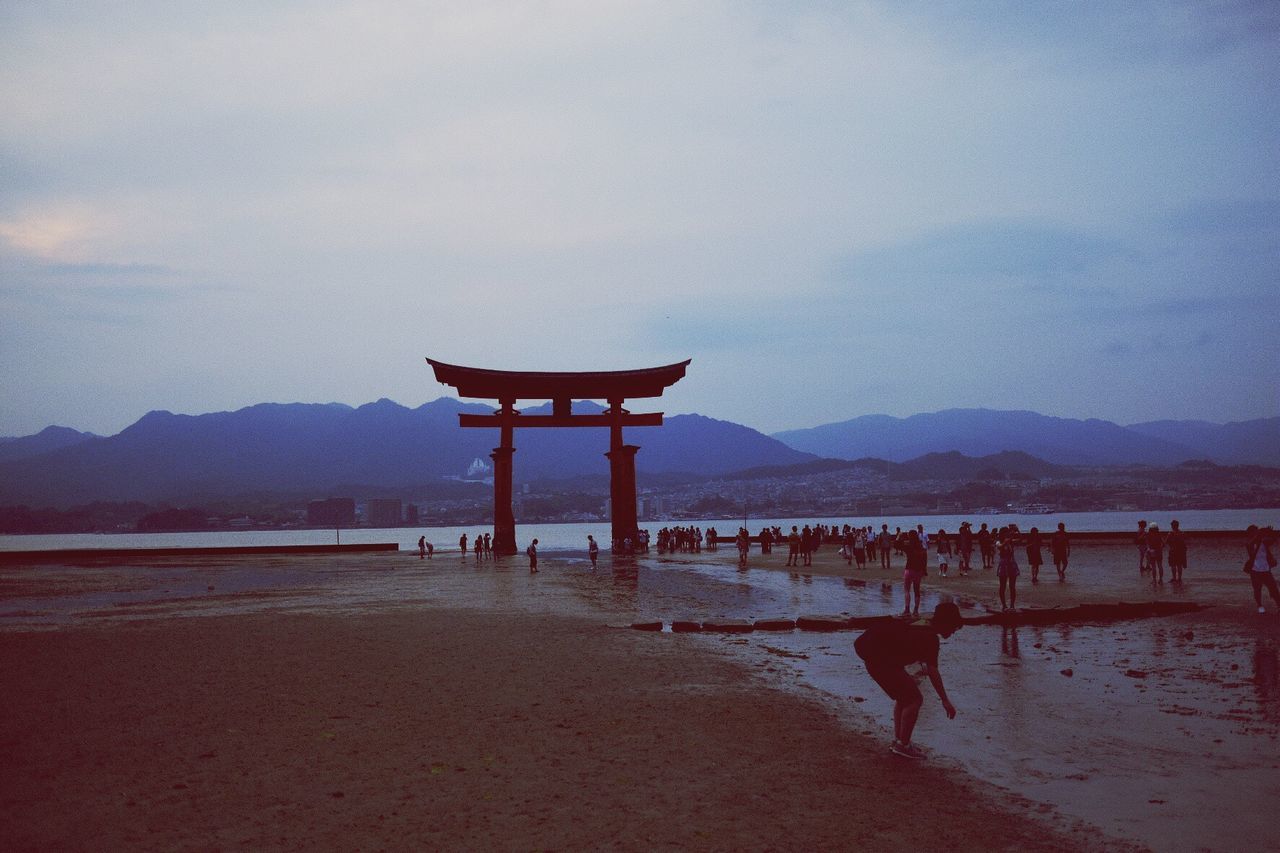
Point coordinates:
pixel 1152 547
pixel 685 539
pixel 483 547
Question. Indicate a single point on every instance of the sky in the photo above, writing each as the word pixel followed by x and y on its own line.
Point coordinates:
pixel 833 208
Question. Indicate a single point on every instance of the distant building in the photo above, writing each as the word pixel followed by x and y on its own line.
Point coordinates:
pixel 650 507
pixel 411 514
pixel 332 512
pixel 384 512
pixel 478 469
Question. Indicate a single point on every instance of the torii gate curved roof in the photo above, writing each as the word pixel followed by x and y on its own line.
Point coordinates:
pixel 542 385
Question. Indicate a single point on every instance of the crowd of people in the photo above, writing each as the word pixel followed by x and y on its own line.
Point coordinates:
pixel 1001 550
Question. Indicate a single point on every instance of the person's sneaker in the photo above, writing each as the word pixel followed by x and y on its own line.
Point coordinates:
pixel 1262 610
pixel 906 750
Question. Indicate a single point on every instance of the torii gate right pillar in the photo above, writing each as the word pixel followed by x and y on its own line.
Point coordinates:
pixel 622 493
pixel 622 478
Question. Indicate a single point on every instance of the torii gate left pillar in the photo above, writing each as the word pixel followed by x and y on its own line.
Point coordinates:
pixel 504 520
pixel 561 388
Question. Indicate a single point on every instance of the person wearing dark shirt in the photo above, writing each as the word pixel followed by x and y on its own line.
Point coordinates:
pixel 964 543
pixel 1061 547
pixel 1177 544
pixel 888 648
pixel 985 547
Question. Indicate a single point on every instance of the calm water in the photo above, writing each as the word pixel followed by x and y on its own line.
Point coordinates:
pixel 566 537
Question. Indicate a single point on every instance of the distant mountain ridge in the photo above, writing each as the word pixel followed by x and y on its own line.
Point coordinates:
pixel 303 448
pixel 1063 441
pixel 48 439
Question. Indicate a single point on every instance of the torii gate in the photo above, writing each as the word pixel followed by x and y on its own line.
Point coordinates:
pixel 508 386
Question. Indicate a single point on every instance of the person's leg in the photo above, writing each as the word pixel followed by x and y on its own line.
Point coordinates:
pixel 905 713
pixel 1256 579
pixel 1003 583
pixel 1013 593
pixel 906 593
pixel 1269 581
pixel 915 582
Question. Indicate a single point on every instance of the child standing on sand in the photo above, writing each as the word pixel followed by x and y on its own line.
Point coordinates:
pixel 532 552
pixel 944 552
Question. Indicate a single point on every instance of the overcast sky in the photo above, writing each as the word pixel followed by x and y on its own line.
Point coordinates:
pixel 835 209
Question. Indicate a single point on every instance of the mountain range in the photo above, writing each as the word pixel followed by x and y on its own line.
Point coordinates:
pixel 316 449
pixel 1063 441
pixel 312 450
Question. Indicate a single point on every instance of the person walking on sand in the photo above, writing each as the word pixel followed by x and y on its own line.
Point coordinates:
pixel 883 542
pixel 1034 558
pixel 984 546
pixel 1260 559
pixel 488 546
pixel 743 541
pixel 593 551
pixel 1141 541
pixel 944 551
pixel 462 545
pixel 1155 553
pixel 422 547
pixel 1060 544
pixel 793 547
pixel 479 549
pixel 1007 568
pixel 964 546
pixel 1176 542
pixel 889 648
pixel 532 553
pixel 917 566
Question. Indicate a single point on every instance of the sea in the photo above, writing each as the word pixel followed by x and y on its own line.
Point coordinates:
pixel 570 537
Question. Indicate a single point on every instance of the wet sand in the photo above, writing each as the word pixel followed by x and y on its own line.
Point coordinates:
pixel 390 702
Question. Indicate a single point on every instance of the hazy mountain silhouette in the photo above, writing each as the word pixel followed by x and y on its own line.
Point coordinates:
pixel 314 449
pixel 1255 442
pixel 982 432
pixel 49 438
pixel 300 448
pixel 954 465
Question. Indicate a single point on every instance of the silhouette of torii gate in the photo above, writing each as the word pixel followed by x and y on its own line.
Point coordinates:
pixel 508 386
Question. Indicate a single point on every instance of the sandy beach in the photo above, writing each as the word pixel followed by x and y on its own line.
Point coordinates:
pixel 389 703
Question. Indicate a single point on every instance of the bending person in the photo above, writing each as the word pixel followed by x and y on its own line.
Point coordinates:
pixel 888 648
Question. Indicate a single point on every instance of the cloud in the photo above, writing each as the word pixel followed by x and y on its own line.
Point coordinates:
pixel 1021 250
pixel 301 200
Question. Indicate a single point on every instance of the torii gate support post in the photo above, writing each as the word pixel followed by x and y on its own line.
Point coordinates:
pixel 504 520
pixel 622 479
